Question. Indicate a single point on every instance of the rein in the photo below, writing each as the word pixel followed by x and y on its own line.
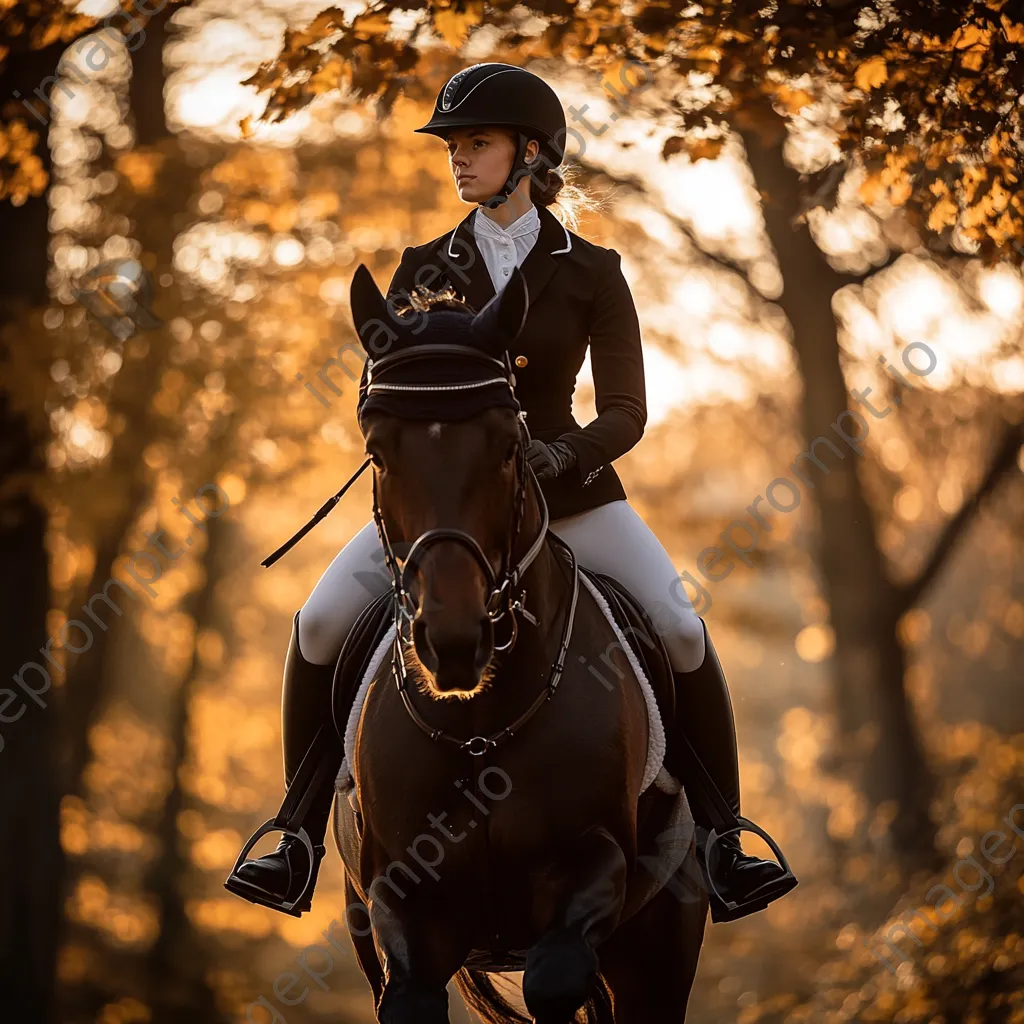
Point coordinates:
pixel 507 595
pixel 477 746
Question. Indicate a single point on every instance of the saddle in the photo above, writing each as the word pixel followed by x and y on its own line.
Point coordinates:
pixel 373 623
pixel 636 625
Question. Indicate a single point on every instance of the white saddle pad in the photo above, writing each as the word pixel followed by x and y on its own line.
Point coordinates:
pixel 653 772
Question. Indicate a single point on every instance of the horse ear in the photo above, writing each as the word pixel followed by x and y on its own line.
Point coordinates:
pixel 498 324
pixel 370 310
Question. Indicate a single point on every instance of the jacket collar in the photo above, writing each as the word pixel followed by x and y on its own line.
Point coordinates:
pixel 461 251
pixel 527 224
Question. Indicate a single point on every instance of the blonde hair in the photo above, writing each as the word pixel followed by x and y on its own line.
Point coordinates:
pixel 556 188
pixel 560 193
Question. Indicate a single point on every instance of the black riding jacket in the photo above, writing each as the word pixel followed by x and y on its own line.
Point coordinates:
pixel 578 297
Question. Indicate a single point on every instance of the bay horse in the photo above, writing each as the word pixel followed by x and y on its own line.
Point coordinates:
pixel 496 816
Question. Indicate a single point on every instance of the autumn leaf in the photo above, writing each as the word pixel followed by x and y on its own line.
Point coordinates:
pixel 901 191
pixel 327 22
pixel 794 100
pixel 871 189
pixel 373 23
pixel 974 36
pixel 944 214
pixel 1014 33
pixel 676 144
pixel 327 77
pixel 974 60
pixel 872 74
pixel 453 26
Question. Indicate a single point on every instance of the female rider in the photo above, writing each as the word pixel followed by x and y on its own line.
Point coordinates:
pixel 505 132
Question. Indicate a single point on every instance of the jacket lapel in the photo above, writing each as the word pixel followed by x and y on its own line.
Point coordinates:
pixel 468 269
pixel 470 275
pixel 542 260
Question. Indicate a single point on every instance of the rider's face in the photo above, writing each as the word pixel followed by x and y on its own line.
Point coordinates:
pixel 481 160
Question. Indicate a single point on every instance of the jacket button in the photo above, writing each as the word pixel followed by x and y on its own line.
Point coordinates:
pixel 521 361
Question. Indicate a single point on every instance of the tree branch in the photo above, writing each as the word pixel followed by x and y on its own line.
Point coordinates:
pixel 633 185
pixel 1002 462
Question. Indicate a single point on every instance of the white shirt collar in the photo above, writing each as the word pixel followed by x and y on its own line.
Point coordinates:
pixel 526 224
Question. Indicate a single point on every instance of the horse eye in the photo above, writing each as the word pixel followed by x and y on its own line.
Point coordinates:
pixel 376 460
pixel 510 453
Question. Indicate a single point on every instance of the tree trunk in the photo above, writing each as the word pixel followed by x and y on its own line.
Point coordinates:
pixel 869 661
pixel 31 859
pixel 148 78
pixel 178 992
pixel 137 380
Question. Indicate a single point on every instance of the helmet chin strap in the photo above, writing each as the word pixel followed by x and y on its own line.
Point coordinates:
pixel 520 168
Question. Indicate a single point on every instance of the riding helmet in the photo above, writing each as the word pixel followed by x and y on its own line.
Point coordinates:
pixel 506 95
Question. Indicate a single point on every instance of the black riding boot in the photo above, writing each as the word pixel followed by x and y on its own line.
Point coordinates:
pixel 704 714
pixel 284 876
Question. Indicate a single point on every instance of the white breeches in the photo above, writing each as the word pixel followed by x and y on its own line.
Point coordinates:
pixel 610 539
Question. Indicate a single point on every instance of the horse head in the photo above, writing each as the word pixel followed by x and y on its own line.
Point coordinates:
pixel 447 444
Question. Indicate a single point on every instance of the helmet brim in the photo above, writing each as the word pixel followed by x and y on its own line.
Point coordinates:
pixel 441 131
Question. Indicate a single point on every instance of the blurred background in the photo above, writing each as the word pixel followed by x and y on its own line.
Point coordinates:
pixel 874 644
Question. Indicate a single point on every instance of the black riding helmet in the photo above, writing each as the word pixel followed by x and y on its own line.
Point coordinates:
pixel 502 94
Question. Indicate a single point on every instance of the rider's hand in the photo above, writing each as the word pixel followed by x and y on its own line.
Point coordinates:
pixel 550 460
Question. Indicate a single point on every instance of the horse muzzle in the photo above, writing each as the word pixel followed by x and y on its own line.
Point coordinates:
pixel 454 658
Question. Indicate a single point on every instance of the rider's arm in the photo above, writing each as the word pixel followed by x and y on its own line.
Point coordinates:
pixel 617 363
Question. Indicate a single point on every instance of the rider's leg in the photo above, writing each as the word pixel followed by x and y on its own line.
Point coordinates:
pixel 354 579
pixel 613 539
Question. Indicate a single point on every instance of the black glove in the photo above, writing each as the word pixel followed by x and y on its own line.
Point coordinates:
pixel 550 460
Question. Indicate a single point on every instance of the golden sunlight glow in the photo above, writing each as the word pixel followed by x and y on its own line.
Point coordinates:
pixel 216 54
pixel 251 238
pixel 683 301
pixel 96 8
pixel 1002 290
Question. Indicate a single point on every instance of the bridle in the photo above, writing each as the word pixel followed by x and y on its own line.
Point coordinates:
pixel 506 594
